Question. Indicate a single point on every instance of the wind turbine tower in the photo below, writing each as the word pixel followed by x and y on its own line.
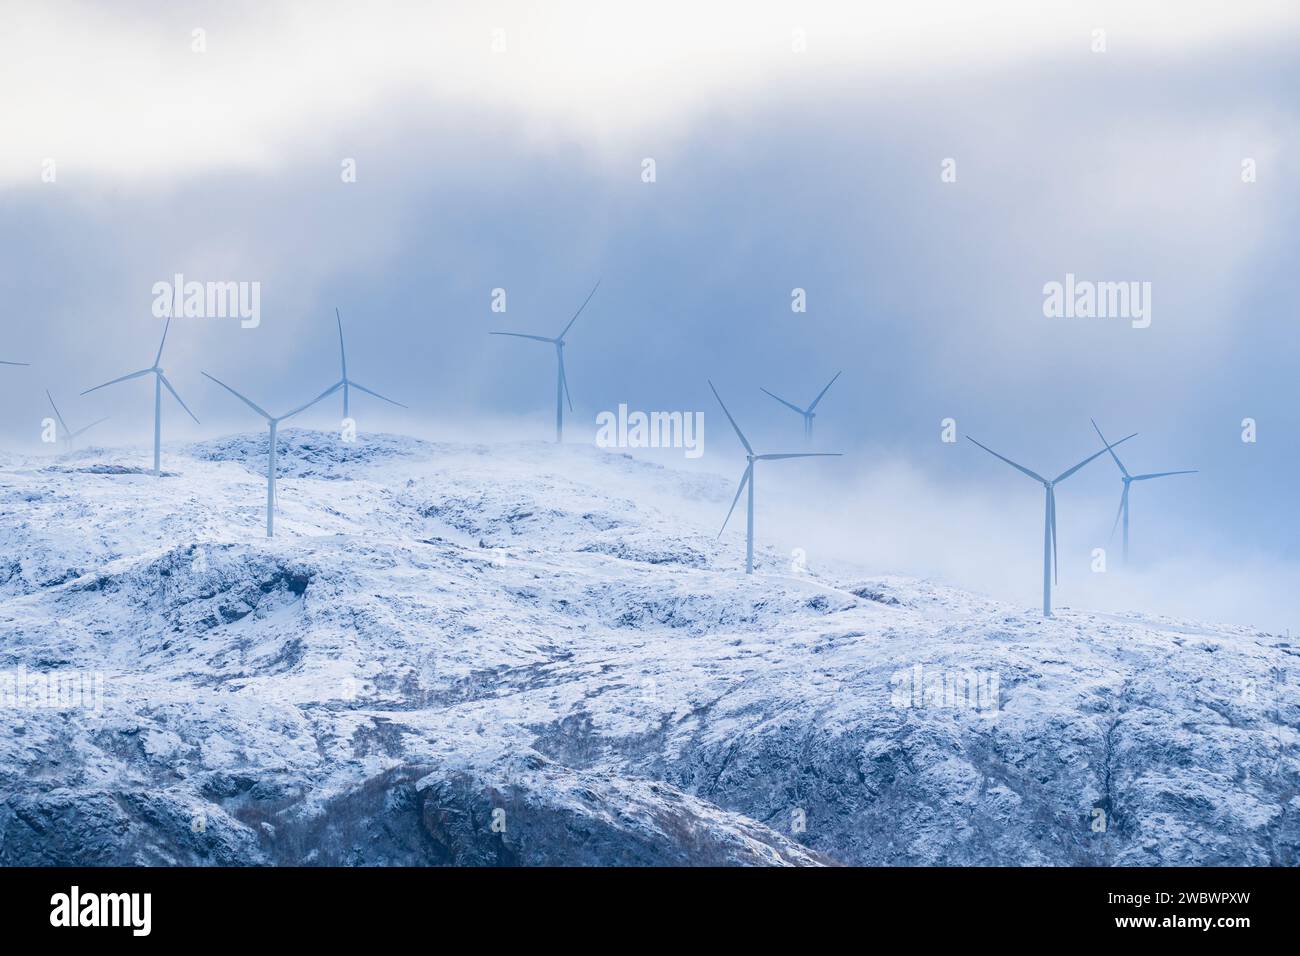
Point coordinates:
pixel 1050 567
pixel 747 481
pixel 808 413
pixel 160 382
pixel 1122 513
pixel 346 383
pixel 561 381
pixel 273 423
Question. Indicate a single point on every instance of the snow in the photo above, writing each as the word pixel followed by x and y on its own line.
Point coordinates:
pixel 522 653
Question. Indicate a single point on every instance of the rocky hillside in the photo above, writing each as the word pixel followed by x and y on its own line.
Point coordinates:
pixel 518 654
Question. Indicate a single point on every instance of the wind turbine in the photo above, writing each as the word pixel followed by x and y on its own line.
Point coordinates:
pixel 160 382
pixel 273 423
pixel 1049 516
pixel 808 413
pixel 1128 481
pixel 13 363
pixel 346 382
pixel 561 382
pixel 68 433
pixel 747 479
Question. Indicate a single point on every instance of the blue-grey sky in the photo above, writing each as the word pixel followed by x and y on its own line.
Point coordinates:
pixel 775 169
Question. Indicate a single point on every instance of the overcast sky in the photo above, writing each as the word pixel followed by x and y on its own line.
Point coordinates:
pixel 776 168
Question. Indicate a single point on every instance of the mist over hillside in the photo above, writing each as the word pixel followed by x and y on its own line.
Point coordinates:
pixel 464 653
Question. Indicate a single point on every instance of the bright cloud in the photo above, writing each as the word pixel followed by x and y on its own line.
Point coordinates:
pixel 120 92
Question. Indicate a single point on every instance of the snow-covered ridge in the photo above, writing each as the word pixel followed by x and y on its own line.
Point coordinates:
pixel 520 653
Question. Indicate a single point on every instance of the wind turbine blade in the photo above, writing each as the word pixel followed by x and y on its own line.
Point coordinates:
pixel 561 336
pixel 14 363
pixel 1110 449
pixel 62 423
pixel 1119 512
pixel 325 394
pixel 251 404
pixel 1056 564
pixel 823 391
pixel 168 385
pixel 564 380
pixel 1020 468
pixel 739 434
pixel 158 358
pixel 807 454
pixel 521 335
pixel 80 431
pixel 1069 471
pixel 1162 474
pixel 744 479
pixel 143 371
pixel 342 352
pixel 784 402
pixel 370 392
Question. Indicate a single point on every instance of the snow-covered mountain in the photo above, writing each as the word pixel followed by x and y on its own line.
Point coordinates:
pixel 484 654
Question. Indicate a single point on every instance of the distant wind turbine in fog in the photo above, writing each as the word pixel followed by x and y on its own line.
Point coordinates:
pixel 1049 517
pixel 808 413
pixel 747 480
pixel 346 382
pixel 561 382
pixel 67 433
pixel 160 382
pixel 273 422
pixel 1128 480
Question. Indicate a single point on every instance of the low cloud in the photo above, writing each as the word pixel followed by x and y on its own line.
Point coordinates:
pixel 163 91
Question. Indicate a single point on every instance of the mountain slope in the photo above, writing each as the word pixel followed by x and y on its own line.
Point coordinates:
pixel 527 654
